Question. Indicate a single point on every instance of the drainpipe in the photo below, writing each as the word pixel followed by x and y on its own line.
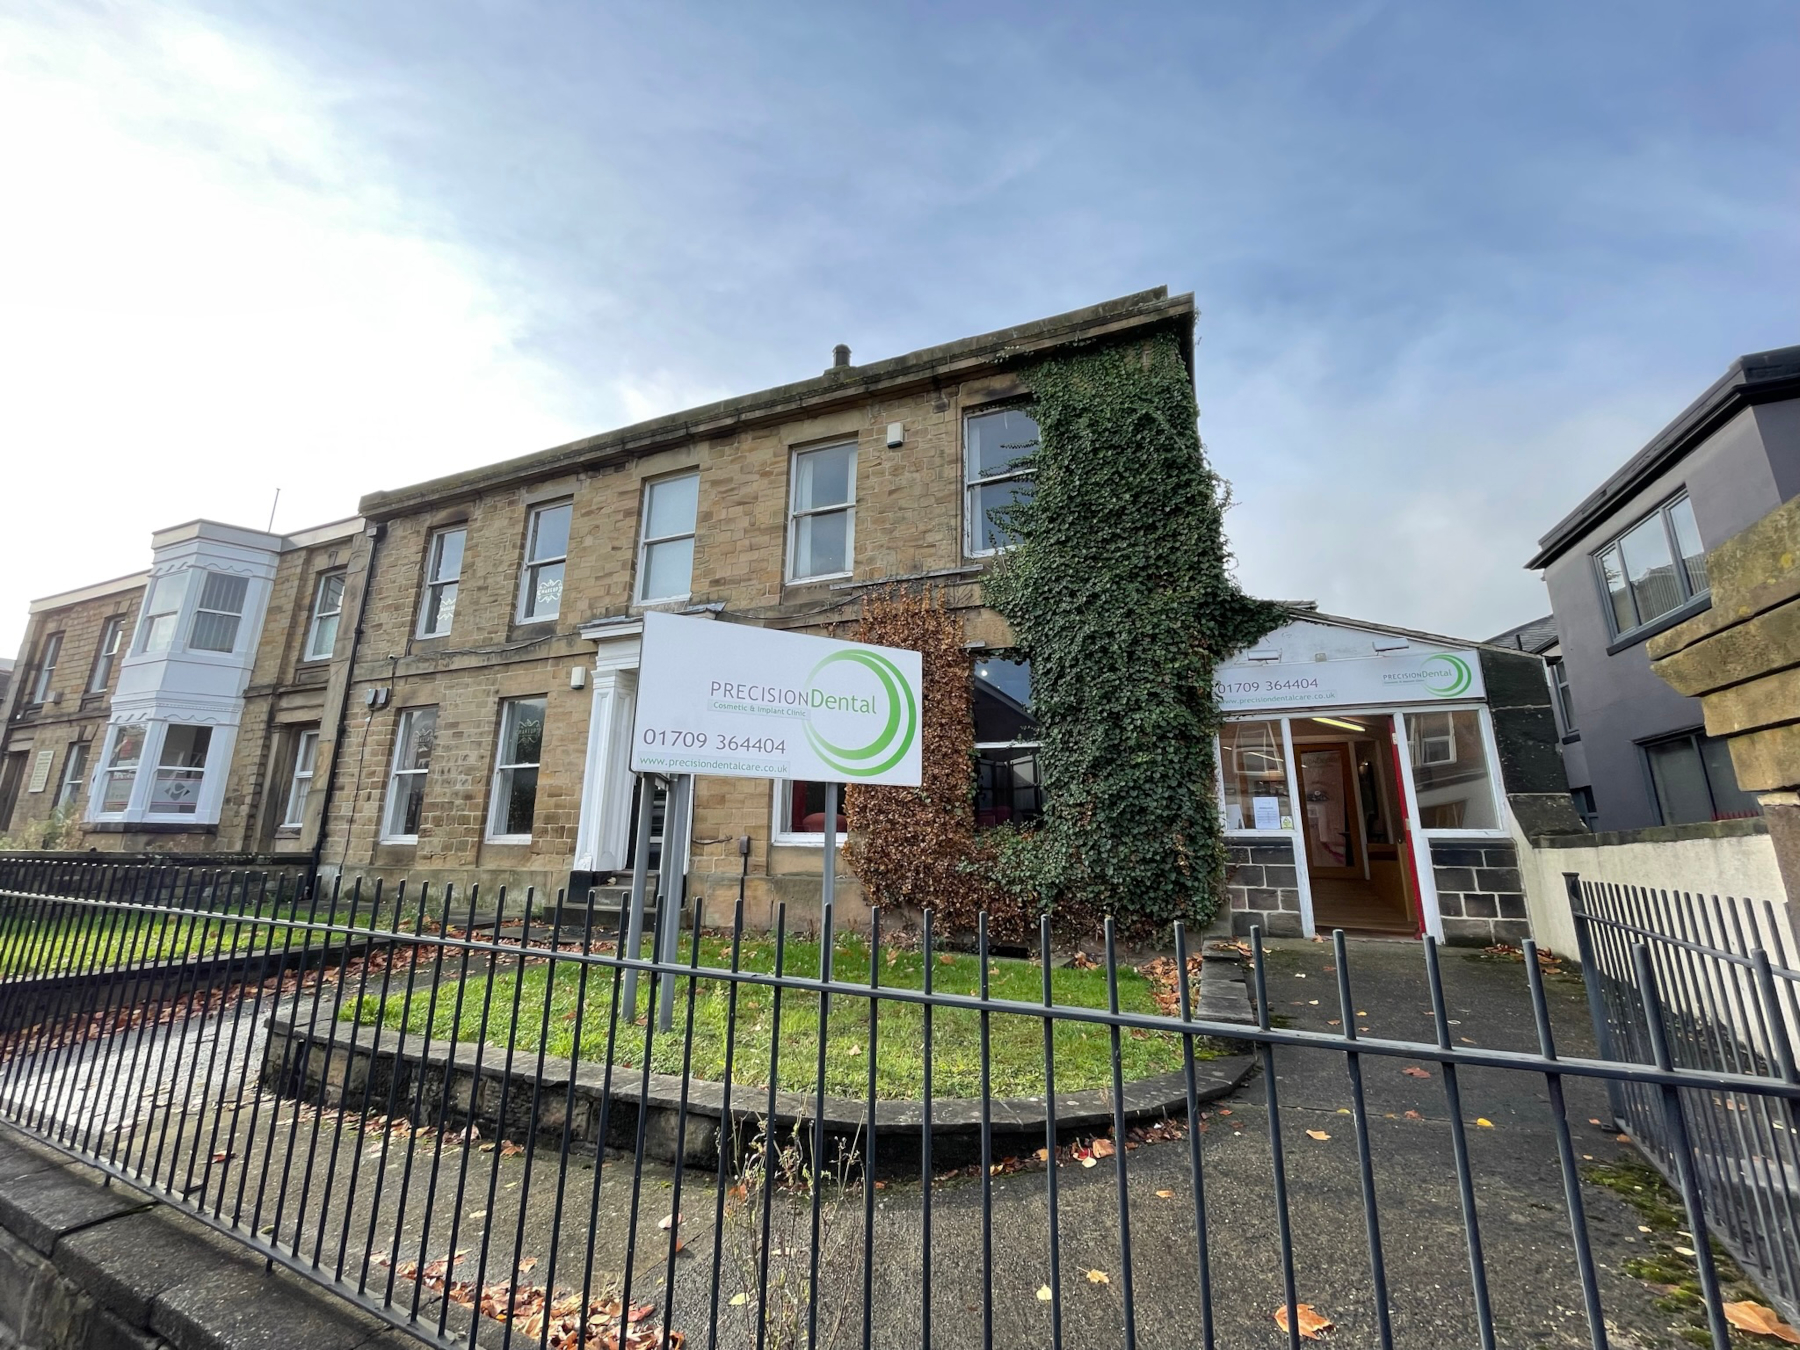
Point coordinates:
pixel 376 532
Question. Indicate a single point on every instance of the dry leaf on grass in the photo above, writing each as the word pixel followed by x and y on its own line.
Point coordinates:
pixel 1414 1071
pixel 1317 1134
pixel 668 1221
pixel 1044 1294
pixel 1754 1318
pixel 1103 1148
pixel 1165 1195
pixel 1098 1277
pixel 1313 1324
pixel 1414 1115
pixel 1484 1122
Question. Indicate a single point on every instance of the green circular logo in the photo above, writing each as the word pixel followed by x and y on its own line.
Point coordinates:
pixel 1447 675
pixel 899 728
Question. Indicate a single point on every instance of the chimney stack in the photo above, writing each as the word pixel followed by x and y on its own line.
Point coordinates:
pixel 840 356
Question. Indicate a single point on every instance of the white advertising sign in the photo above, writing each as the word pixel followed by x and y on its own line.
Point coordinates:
pixel 1415 675
pixel 734 701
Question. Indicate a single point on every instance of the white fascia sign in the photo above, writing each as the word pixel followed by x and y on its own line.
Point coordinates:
pixel 729 700
pixel 1419 674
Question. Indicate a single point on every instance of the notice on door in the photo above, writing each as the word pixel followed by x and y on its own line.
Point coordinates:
pixel 740 702
pixel 1268 813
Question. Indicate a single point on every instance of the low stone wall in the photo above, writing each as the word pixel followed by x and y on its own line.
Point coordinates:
pixel 1262 885
pixel 1481 892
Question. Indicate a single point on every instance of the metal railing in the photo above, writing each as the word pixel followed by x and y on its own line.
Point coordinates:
pixel 1730 1005
pixel 435 1105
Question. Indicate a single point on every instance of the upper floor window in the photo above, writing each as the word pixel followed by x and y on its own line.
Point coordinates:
pixel 414 739
pixel 106 654
pixel 1565 700
pixel 514 801
pixel 162 607
pixel 997 472
pixel 443 573
pixel 218 612
pixel 327 609
pixel 1695 780
pixel 546 552
pixel 666 553
pixel 822 515
pixel 48 655
pixel 1655 567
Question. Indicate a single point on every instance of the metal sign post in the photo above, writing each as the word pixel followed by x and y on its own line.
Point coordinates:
pixel 828 883
pixel 671 887
pixel 640 868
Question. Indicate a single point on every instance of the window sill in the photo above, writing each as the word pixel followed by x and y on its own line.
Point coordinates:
pixel 1645 631
pixel 400 841
pixel 509 840
pixel 820 579
pixel 806 841
pixel 661 603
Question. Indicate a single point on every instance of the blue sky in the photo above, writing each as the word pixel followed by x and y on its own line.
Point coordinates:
pixel 1454 262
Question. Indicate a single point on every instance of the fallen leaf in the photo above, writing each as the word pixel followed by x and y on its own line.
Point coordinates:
pixel 1317 1134
pixel 1103 1148
pixel 1165 1195
pixel 739 1300
pixel 1332 1023
pixel 1098 1277
pixel 1043 1155
pixel 856 1049
pixel 1044 1294
pixel 1313 1324
pixel 1414 1115
pixel 527 1264
pixel 1592 1121
pixel 1645 1228
pixel 668 1221
pixel 1088 1160
pixel 1623 1138
pixel 946 959
pixel 1361 1013
pixel 1754 1318
pixel 1224 1110
pixel 1484 1122
pixel 1343 1110
pixel 1414 1071
pixel 1684 1251
pixel 478 1214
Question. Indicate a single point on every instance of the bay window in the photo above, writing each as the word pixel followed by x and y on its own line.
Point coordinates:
pixel 120 774
pixel 162 609
pixel 218 611
pixel 180 770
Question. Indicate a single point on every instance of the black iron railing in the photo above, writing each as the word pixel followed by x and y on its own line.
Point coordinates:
pixel 435 1104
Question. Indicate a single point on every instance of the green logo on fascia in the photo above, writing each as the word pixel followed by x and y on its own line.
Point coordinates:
pixel 897 732
pixel 1447 675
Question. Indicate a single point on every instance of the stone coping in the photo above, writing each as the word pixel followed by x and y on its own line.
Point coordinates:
pixel 1658 834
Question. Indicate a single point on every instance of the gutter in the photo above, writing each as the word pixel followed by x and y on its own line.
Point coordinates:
pixel 376 532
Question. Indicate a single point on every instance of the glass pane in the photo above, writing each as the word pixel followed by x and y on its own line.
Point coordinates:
pixel 128 747
pixel 224 593
pixel 447 564
pixel 1254 767
pixel 116 795
pixel 440 608
pixel 545 596
pixel 417 737
pixel 308 753
pixel 214 632
pixel 1680 779
pixel 520 788
pixel 159 631
pixel 999 440
pixel 991 497
pixel 1618 594
pixel 185 747
pixel 668 569
pixel 331 595
pixel 1330 809
pixel 806 808
pixel 407 804
pixel 324 636
pixel 673 503
pixel 1687 540
pixel 524 732
pixel 550 533
pixel 822 477
pixel 1728 799
pixel 1450 771
pixel 822 544
pixel 167 593
pixel 1006 786
pixel 1002 702
pixel 1650 570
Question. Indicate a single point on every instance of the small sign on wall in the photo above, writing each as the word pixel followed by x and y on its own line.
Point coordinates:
pixel 40 770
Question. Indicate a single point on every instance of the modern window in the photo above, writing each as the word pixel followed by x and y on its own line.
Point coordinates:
pixel 68 792
pixel 1008 786
pixel 516 770
pixel 1565 700
pixel 327 610
pixel 546 553
pixel 48 655
pixel 997 472
pixel 666 554
pixel 414 738
pixel 120 773
pixel 443 574
pixel 1451 779
pixel 112 634
pixel 220 608
pixel 822 513
pixel 1583 797
pixel 1253 770
pixel 1654 568
pixel 162 608
pixel 1695 781
pixel 800 812
pixel 306 758
pixel 180 771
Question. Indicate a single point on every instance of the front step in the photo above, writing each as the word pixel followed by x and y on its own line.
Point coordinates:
pixel 572 916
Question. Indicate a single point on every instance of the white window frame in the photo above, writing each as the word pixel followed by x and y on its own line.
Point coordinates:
pixel 973 521
pixel 531 566
pixel 300 779
pixel 106 653
pixel 796 513
pixel 49 654
pixel 237 615
pixel 320 614
pixel 402 735
pixel 436 582
pixel 109 771
pixel 1426 741
pixel 180 581
pixel 779 832
pixel 499 788
pixel 74 772
pixel 201 780
pixel 646 541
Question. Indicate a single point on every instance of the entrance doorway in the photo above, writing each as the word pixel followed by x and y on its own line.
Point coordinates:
pixel 1353 825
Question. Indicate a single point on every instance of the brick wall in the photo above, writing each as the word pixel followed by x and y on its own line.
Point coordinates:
pixel 1262 886
pixel 1481 894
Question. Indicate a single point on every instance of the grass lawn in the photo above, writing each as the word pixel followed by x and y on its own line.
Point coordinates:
pixel 1083 1051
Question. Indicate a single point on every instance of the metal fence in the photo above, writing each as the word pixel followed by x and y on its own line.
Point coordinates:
pixel 1730 1005
pixel 433 1103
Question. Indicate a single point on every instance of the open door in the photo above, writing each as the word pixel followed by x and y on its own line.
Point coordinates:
pixel 1328 811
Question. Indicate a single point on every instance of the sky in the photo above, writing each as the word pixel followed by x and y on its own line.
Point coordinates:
pixel 1454 263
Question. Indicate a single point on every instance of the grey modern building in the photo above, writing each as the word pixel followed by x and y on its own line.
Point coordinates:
pixel 1629 562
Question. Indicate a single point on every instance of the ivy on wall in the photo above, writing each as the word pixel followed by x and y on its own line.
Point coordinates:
pixel 1119 592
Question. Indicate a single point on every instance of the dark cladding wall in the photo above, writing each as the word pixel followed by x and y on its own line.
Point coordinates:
pixel 1481 894
pixel 1263 887
pixel 1531 764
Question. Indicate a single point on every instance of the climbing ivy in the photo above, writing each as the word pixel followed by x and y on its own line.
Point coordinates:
pixel 1118 590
